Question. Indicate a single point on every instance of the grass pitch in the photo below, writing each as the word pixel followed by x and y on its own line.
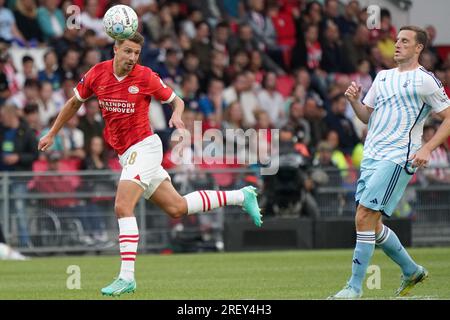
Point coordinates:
pixel 258 275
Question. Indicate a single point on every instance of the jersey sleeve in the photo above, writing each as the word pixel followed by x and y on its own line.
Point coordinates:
pixel 83 90
pixel 435 95
pixel 159 90
pixel 371 95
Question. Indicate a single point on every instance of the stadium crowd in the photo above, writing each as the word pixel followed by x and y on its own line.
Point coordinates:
pixel 260 64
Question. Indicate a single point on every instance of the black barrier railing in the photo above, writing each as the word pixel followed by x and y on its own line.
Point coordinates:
pixel 39 219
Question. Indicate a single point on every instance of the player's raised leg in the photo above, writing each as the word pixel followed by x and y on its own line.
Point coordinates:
pixel 127 196
pixel 175 205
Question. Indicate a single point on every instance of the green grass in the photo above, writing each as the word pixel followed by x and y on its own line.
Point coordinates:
pixel 263 275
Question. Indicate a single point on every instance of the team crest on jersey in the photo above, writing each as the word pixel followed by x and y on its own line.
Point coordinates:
pixel 133 89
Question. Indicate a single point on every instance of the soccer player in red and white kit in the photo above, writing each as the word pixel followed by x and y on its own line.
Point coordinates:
pixel 124 90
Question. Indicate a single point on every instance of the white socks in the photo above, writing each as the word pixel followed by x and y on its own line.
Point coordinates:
pixel 205 200
pixel 128 242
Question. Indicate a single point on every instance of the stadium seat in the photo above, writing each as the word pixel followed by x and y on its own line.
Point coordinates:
pixel 285 85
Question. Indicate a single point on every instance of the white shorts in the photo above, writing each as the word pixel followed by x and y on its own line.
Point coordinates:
pixel 141 163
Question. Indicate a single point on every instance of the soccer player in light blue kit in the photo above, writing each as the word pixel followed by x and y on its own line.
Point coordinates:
pixel 395 109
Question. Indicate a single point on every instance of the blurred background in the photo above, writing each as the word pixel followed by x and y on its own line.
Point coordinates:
pixel 260 64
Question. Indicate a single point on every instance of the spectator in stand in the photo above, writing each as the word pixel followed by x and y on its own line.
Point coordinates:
pixel 241 90
pixel 191 64
pixel 69 40
pixel 28 70
pixel 29 94
pixel 201 45
pixel 256 65
pixel 297 121
pixel 356 47
pixel 348 22
pixel 97 208
pixel 447 81
pixel 263 29
pixel 324 171
pixel 333 59
pixel 233 119
pixel 161 25
pixel 339 158
pixel 245 41
pixel 316 119
pixel 213 11
pixel 27 22
pixel 170 70
pixel 31 117
pixel 362 76
pixel 91 57
pixel 91 123
pixel 89 20
pixel 336 120
pixel 217 69
pixel 376 61
pixel 9 31
pixel 51 19
pixel 386 30
pixel 18 151
pixel 49 73
pixel 438 172
pixel 221 37
pixel 5 93
pixel 303 78
pixel 73 139
pixel 212 104
pixel 101 7
pixel 431 47
pixel 189 92
pixel 270 100
pixel 69 64
pixel 284 25
pixel 330 13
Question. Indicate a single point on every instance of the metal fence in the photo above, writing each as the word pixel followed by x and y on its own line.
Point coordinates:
pixel 49 212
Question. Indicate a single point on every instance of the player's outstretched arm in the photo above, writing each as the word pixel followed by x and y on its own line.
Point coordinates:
pixel 353 96
pixel 178 108
pixel 68 111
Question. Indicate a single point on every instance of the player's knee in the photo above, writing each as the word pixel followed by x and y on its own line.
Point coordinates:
pixel 364 218
pixel 176 209
pixel 122 209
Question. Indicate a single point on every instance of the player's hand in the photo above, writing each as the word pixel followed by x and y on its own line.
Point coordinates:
pixel 175 121
pixel 45 142
pixel 420 158
pixel 353 92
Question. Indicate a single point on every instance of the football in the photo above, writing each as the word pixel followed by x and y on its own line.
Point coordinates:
pixel 120 22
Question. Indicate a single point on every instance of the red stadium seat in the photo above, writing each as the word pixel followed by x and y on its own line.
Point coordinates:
pixel 285 85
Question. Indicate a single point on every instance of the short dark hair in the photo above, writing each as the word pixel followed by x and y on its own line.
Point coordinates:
pixel 421 34
pixel 136 38
pixel 27 58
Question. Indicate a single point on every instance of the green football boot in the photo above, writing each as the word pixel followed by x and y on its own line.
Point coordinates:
pixel 118 287
pixel 409 282
pixel 251 206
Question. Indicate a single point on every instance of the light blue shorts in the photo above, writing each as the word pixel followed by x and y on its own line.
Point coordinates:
pixel 381 185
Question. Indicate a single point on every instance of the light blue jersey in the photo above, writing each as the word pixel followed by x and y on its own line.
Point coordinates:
pixel 401 101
